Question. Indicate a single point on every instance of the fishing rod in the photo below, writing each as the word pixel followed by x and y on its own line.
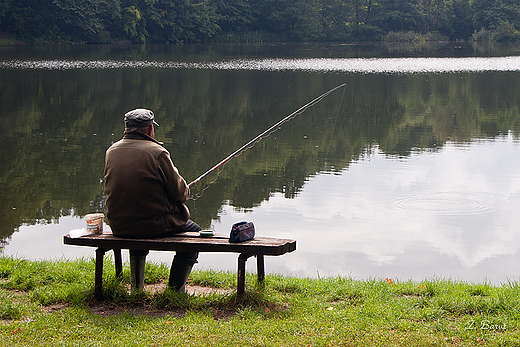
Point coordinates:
pixel 259 137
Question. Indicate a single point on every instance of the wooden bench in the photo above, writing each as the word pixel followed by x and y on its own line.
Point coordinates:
pixel 183 242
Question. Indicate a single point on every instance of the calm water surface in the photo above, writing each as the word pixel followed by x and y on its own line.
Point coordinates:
pixel 410 171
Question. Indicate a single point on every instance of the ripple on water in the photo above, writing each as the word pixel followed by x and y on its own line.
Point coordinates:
pixel 451 203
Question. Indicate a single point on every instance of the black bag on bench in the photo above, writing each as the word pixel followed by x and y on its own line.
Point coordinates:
pixel 242 231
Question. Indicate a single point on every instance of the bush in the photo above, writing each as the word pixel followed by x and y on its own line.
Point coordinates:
pixel 411 37
pixel 506 32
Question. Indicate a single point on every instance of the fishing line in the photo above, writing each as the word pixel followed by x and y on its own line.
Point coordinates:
pixel 264 134
pixel 208 185
pixel 334 127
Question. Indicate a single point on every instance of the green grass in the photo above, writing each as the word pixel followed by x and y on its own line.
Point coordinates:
pixel 44 303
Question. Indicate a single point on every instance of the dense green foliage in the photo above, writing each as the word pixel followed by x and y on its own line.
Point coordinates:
pixel 189 21
pixel 45 303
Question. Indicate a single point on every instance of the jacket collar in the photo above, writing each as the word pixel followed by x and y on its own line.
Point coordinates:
pixel 137 135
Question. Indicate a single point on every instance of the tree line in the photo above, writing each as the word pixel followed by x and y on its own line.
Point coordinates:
pixel 193 21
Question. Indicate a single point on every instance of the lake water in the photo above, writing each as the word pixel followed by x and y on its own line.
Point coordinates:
pixel 410 171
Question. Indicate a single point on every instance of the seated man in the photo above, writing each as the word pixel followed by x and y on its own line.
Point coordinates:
pixel 145 195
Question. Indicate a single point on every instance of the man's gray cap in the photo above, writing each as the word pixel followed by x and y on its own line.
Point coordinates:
pixel 139 118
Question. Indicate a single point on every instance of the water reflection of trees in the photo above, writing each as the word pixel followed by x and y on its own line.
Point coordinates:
pixel 56 126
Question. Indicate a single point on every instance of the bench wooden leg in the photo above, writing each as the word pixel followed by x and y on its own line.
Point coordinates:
pixel 118 262
pixel 260 269
pixel 241 280
pixel 98 279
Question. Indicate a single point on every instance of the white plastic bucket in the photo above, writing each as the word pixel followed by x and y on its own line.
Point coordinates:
pixel 94 223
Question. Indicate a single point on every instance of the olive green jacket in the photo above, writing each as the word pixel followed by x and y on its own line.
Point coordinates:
pixel 143 188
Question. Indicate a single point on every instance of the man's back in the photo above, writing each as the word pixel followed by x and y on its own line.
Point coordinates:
pixel 142 186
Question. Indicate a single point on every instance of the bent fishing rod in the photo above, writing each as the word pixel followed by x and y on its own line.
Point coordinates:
pixel 268 131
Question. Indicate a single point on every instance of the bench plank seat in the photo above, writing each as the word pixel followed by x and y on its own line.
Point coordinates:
pixel 183 242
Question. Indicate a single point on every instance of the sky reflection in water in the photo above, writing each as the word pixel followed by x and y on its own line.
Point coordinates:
pixel 353 65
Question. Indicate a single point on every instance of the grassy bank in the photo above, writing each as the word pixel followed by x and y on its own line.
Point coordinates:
pixel 51 303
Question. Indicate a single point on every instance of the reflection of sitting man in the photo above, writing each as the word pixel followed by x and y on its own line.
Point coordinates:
pixel 145 195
